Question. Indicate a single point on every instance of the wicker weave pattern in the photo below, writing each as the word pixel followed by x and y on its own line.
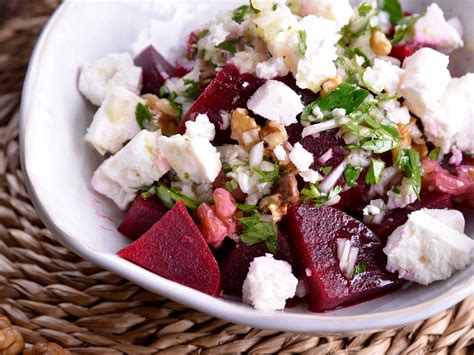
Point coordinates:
pixel 50 294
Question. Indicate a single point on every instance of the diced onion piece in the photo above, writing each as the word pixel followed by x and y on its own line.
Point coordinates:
pixel 256 155
pixel 333 201
pixel 326 156
pixel 323 126
pixel 351 261
pixel 332 178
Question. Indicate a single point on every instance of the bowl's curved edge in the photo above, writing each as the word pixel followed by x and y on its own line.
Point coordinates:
pixel 303 323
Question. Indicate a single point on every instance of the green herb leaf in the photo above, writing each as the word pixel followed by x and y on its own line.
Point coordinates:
pixel 302 46
pixel 360 268
pixel 346 96
pixel 256 231
pixel 253 9
pixel 193 89
pixel 351 174
pixel 229 186
pixel 393 8
pixel 408 161
pixel 321 200
pixel 404 28
pixel 229 46
pixel 175 105
pixel 203 33
pixel 362 54
pixel 364 9
pixel 375 171
pixel 239 13
pixel 434 154
pixel 170 197
pixel 326 170
pixel 311 192
pixel 142 114
pixel 246 208
pixel 269 176
pixel 274 6
pixel 379 144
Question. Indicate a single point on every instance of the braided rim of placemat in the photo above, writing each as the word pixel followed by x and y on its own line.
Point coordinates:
pixel 50 294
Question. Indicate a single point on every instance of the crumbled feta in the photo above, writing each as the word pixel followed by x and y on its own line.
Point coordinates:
pixel 280 153
pixel 374 212
pixel 339 11
pixel 317 64
pixel 424 81
pixel 371 210
pixel 395 112
pixel 311 176
pixel 452 124
pixel 248 61
pixel 272 68
pixel 114 68
pixel 406 196
pixel 383 76
pixel 275 101
pixel 427 248
pixel 269 283
pixel 266 4
pixel 433 29
pixel 201 127
pixel 139 163
pixel 300 157
pixel 194 159
pixel 271 22
pixel 115 122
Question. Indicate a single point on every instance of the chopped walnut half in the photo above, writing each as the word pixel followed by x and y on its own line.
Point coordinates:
pixel 330 85
pixel 275 205
pixel 287 188
pixel 244 129
pixel 273 134
pixel 11 341
pixel 380 44
pixel 46 349
pixel 164 115
pixel 407 141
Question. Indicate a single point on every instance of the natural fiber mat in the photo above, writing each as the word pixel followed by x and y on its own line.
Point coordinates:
pixel 50 294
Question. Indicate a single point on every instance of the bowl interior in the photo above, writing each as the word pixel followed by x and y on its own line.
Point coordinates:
pixel 59 164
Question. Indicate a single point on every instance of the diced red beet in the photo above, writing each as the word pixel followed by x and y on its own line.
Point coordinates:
pixel 318 145
pixel 175 249
pixel 155 70
pixel 402 51
pixel 396 217
pixel 235 263
pixel 181 70
pixel 220 182
pixel 141 216
pixel 354 200
pixel 314 234
pixel 229 90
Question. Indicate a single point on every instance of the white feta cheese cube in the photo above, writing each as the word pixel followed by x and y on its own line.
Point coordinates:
pixel 383 76
pixel 272 68
pixel 280 153
pixel 424 81
pixel 139 163
pixel 201 127
pixel 301 158
pixel 194 159
pixel 266 4
pixel 426 248
pixel 115 122
pixel 395 112
pixel 405 197
pixel 114 68
pixel 311 176
pixel 275 101
pixel 269 283
pixel 339 11
pixel 433 29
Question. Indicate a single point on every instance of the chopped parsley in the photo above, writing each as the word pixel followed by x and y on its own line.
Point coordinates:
pixel 360 268
pixel 351 174
pixel 434 154
pixel 239 13
pixel 274 6
pixel 246 208
pixel 229 46
pixel 326 170
pixel 302 46
pixel 393 8
pixel 193 89
pixel 375 171
pixel 143 115
pixel 408 161
pixel 311 192
pixel 404 28
pixel 269 176
pixel 364 9
pixel 203 33
pixel 253 9
pixel 255 231
pixel 169 197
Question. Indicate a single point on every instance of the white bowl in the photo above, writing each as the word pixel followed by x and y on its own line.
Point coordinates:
pixel 58 164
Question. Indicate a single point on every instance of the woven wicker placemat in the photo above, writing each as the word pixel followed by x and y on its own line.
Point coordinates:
pixel 50 294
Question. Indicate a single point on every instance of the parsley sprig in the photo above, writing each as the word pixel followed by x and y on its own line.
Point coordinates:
pixel 143 115
pixel 169 197
pixel 408 161
pixel 255 230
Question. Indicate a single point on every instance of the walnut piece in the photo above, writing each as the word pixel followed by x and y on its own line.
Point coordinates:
pixel 275 205
pixel 164 115
pixel 273 134
pixel 330 85
pixel 287 188
pixel 46 349
pixel 244 129
pixel 380 44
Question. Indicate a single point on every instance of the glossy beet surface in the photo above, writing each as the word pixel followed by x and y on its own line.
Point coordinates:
pixel 318 145
pixel 397 217
pixel 314 233
pixel 143 214
pixel 155 70
pixel 236 261
pixel 228 91
pixel 175 249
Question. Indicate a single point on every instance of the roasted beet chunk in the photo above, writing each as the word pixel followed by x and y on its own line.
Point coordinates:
pixel 314 241
pixel 318 145
pixel 396 217
pixel 143 214
pixel 235 263
pixel 228 91
pixel 155 70
pixel 175 249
